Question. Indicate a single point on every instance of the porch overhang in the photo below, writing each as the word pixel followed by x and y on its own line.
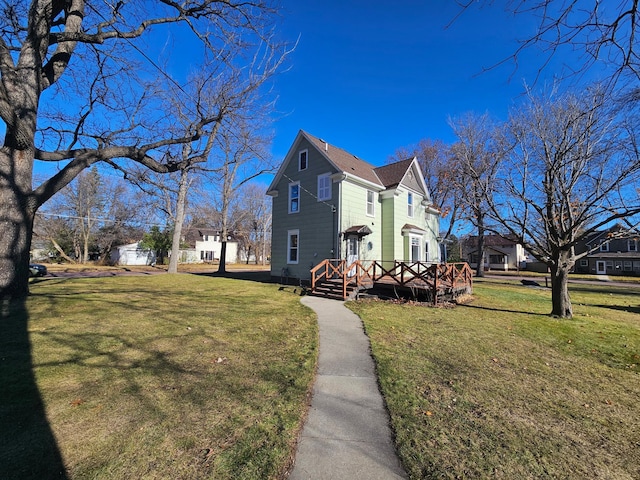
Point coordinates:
pixel 409 229
pixel 357 230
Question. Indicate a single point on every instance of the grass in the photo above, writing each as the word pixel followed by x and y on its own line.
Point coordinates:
pixel 498 389
pixel 164 376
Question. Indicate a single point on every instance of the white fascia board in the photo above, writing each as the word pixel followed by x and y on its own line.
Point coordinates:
pixel 362 182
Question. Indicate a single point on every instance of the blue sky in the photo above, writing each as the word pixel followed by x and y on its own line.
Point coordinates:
pixel 372 76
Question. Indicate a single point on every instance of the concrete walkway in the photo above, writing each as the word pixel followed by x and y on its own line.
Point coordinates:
pixel 347 434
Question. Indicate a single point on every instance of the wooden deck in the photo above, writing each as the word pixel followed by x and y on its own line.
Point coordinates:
pixel 335 278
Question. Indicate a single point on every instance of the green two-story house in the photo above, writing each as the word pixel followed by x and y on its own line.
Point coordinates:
pixel 328 203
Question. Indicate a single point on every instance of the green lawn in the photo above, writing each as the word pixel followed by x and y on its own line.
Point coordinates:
pixel 498 389
pixel 192 376
pixel 164 376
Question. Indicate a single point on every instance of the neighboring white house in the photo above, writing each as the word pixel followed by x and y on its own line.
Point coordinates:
pixel 205 245
pixel 132 254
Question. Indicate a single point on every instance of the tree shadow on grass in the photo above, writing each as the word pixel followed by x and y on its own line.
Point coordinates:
pixel 259 276
pixel 492 309
pixel 28 448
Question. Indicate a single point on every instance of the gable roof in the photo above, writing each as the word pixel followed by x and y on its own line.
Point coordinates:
pixel 344 161
pixel 386 177
pixel 391 175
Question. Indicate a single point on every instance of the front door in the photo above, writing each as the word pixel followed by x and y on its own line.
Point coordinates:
pixel 352 253
pixel 601 267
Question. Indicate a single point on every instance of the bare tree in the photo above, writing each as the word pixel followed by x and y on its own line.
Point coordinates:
pixel 84 201
pixel 102 109
pixel 572 168
pixel 251 217
pixel 242 157
pixel 476 160
pixel 601 33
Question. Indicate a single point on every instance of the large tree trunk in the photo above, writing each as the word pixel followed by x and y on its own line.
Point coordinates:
pixel 222 267
pixel 560 300
pixel 17 211
pixel 480 266
pixel 183 187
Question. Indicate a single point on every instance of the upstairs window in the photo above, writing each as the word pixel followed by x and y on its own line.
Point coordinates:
pixel 324 187
pixel 294 197
pixel 302 160
pixel 370 209
pixel 604 247
pixel 410 204
pixel 632 245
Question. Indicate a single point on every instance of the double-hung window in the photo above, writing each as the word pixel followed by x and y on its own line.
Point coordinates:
pixel 294 197
pixel 632 245
pixel 604 247
pixel 410 205
pixel 303 160
pixel 324 187
pixel 293 237
pixel 370 205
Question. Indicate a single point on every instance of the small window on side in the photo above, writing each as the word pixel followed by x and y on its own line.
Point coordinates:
pixel 303 160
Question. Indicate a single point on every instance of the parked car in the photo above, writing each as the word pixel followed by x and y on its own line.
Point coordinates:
pixel 37 270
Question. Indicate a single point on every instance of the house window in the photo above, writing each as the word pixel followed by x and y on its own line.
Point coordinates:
pixel 302 160
pixel 496 259
pixel 292 246
pixel 632 245
pixel 294 197
pixel 207 255
pixel 415 249
pixel 370 210
pixel 584 262
pixel 410 204
pixel 604 247
pixel 426 252
pixel 628 266
pixel 324 187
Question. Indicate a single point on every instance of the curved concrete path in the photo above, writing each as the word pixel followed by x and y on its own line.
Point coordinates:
pixel 347 434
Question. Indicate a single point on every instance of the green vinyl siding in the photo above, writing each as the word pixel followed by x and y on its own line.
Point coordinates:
pixel 354 212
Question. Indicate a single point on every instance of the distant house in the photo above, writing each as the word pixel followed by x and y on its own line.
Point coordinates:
pixel 614 251
pixel 501 253
pixel 205 245
pixel 330 204
pixel 132 254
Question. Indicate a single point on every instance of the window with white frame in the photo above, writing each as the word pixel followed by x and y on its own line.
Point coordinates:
pixel 410 204
pixel 293 237
pixel 584 262
pixel 303 160
pixel 370 204
pixel 604 247
pixel 632 245
pixel 324 187
pixel 294 197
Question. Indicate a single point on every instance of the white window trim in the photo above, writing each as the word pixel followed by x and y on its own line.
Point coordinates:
pixel 373 204
pixel 410 209
pixel 291 233
pixel 306 154
pixel 290 198
pixel 604 247
pixel 631 242
pixel 321 177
